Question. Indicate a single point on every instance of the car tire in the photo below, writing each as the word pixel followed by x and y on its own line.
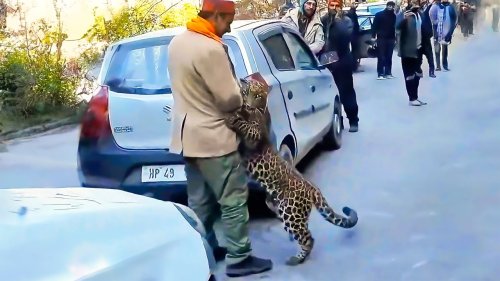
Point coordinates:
pixel 286 153
pixel 333 139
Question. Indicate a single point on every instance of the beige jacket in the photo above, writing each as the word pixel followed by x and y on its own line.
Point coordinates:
pixel 204 90
pixel 314 36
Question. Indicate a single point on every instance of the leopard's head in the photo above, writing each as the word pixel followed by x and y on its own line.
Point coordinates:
pixel 255 95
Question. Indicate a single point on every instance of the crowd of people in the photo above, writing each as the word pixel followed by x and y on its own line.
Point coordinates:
pixel 216 180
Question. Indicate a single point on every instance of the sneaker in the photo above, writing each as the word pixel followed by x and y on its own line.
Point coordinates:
pixel 353 128
pixel 389 76
pixel 249 266
pixel 421 102
pixel 446 69
pixel 431 74
pixel 220 253
pixel 380 77
pixel 415 103
pixel 438 68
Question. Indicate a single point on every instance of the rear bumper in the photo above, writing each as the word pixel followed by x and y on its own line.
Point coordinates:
pixel 103 164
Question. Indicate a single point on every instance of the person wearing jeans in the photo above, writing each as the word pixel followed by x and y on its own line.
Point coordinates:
pixel 410 50
pixel 444 18
pixel 383 29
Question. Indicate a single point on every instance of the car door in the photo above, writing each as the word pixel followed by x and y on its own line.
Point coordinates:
pixel 316 85
pixel 365 30
pixel 283 68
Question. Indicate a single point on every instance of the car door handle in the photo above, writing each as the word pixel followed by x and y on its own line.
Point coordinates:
pixel 313 89
pixel 290 95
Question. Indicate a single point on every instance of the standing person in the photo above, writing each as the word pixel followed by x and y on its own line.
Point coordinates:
pixel 308 23
pixel 495 9
pixel 384 30
pixel 444 19
pixel 427 35
pixel 337 30
pixel 466 19
pixel 355 37
pixel 205 90
pixel 410 50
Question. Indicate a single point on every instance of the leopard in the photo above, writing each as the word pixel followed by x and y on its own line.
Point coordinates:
pixel 288 193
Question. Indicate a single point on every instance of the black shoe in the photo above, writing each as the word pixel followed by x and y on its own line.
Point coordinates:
pixel 249 266
pixel 438 68
pixel 353 128
pixel 446 69
pixel 220 253
pixel 431 74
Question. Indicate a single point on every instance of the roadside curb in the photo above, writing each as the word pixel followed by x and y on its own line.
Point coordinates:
pixel 9 135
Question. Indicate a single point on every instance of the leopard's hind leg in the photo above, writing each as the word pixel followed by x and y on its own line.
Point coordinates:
pixel 300 232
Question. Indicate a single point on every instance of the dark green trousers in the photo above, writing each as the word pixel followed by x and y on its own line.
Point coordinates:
pixel 219 186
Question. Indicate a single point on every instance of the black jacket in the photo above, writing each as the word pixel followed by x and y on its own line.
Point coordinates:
pixel 426 23
pixel 384 25
pixel 355 24
pixel 337 35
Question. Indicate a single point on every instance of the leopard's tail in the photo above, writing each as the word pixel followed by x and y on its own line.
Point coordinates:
pixel 327 212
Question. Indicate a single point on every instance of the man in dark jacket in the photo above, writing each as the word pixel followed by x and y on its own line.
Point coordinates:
pixel 427 35
pixel 384 29
pixel 337 29
pixel 410 50
pixel 355 43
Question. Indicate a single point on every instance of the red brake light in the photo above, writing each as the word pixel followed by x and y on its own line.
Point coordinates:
pixel 95 121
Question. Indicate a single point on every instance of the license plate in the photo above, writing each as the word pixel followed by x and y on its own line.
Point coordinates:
pixel 164 173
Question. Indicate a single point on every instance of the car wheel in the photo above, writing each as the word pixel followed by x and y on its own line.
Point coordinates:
pixel 286 153
pixel 333 139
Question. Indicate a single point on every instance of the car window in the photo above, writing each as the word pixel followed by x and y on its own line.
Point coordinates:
pixel 364 23
pixel 237 58
pixel 140 67
pixel 300 52
pixel 278 51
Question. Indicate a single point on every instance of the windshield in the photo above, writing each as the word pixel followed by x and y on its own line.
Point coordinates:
pixel 375 9
pixel 141 67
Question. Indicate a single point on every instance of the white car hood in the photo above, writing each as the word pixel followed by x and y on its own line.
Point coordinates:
pixel 95 234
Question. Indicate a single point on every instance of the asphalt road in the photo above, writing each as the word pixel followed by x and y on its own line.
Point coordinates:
pixel 424 180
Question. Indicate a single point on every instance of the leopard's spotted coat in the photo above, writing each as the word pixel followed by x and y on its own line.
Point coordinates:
pixel 290 195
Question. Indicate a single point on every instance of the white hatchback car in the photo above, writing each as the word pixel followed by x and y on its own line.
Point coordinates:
pixel 125 133
pixel 99 234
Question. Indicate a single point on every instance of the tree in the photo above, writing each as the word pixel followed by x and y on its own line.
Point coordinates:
pixel 258 9
pixel 145 16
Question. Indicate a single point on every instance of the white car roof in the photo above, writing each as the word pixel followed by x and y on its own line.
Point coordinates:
pixel 95 234
pixel 235 26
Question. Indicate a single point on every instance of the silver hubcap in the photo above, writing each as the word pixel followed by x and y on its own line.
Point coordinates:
pixel 336 123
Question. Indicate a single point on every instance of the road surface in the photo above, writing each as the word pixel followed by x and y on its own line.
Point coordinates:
pixel 424 180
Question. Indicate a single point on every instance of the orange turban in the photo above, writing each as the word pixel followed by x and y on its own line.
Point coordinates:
pixel 222 6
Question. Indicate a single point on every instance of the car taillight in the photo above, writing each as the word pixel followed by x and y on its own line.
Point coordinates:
pixel 95 121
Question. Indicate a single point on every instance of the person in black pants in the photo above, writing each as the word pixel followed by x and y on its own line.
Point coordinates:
pixel 384 29
pixel 427 35
pixel 355 36
pixel 410 50
pixel 337 29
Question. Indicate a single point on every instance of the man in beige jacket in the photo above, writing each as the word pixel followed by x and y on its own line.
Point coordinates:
pixel 306 20
pixel 205 90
